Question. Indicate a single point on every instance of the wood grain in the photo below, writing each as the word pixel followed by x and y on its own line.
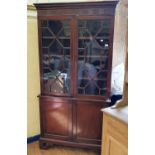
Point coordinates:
pixel 33 149
pixel 115 133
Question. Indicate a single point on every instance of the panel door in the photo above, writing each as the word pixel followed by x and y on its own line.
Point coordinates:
pixel 56 118
pixel 89 122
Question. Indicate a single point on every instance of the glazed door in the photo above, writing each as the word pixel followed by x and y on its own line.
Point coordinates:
pixel 55 58
pixel 94 57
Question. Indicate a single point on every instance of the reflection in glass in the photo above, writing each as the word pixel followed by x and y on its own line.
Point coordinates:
pixel 93 50
pixel 56 56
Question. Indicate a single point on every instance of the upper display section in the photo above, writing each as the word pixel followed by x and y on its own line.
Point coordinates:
pixel 76 42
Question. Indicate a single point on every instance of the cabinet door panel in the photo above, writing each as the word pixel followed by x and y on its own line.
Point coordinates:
pixel 93 56
pixel 89 122
pixel 56 117
pixel 55 56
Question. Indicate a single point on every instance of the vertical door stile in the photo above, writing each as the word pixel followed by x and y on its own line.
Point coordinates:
pixel 110 56
pixel 74 54
pixel 74 70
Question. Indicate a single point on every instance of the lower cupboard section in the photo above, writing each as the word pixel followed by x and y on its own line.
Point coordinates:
pixel 70 122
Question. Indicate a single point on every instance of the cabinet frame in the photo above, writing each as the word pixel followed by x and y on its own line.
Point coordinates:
pixel 74 12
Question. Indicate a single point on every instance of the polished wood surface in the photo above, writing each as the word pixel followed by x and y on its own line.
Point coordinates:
pixel 33 149
pixel 73 119
pixel 115 131
pixel 81 8
pixel 87 113
pixel 56 117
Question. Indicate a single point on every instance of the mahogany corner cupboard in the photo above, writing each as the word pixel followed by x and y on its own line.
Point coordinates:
pixel 75 50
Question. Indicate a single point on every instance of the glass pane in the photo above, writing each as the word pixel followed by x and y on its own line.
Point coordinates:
pixel 46 33
pixel 46 42
pixel 65 42
pixel 55 26
pixel 44 23
pixel 65 32
pixel 56 48
pixel 93 49
pixel 56 56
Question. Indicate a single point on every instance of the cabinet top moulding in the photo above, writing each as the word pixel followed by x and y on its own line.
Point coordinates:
pixel 47 6
pixel 104 8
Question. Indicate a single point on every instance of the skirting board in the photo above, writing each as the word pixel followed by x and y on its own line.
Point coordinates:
pixel 33 139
